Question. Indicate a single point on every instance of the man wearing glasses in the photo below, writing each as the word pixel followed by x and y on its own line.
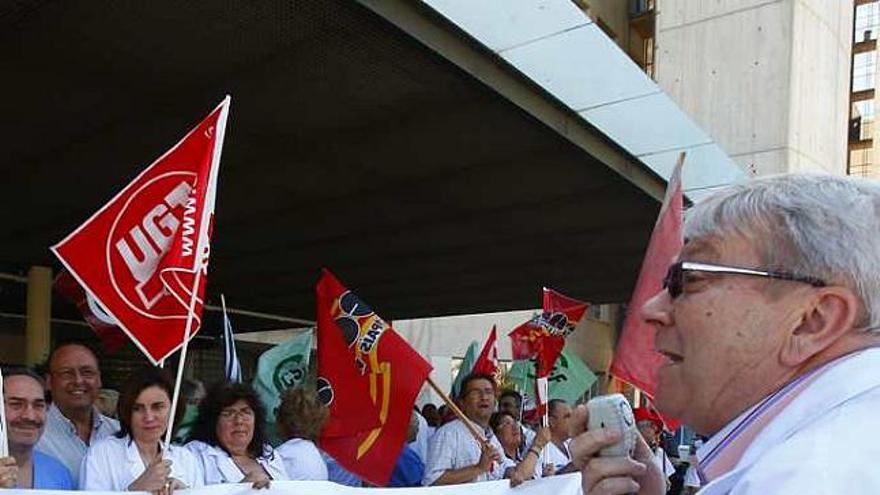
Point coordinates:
pixel 25 407
pixel 454 456
pixel 73 421
pixel 768 321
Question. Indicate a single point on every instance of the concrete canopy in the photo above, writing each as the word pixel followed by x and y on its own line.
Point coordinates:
pixel 351 145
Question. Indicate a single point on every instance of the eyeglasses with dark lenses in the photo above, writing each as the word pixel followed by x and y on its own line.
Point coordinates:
pixel 674 280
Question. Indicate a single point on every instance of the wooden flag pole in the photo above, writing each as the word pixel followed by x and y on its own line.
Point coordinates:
pixel 460 415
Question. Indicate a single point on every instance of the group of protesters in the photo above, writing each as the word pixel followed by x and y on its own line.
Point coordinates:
pixel 59 438
pixel 68 444
pixel 768 322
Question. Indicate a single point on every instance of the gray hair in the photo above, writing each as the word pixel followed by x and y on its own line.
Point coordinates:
pixel 819 225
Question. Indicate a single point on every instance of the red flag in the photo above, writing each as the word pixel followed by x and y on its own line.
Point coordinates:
pixel 487 362
pixel 370 367
pixel 635 360
pixel 144 255
pixel 543 337
pixel 103 324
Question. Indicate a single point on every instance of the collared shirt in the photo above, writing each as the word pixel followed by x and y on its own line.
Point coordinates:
pixel 558 457
pixel 112 464
pixel 60 440
pixel 453 447
pixel 661 460
pixel 302 460
pixel 794 452
pixel 219 467
pixel 50 474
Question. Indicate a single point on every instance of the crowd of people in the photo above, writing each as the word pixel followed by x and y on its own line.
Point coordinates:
pixel 74 442
pixel 64 435
pixel 69 443
pixel 768 321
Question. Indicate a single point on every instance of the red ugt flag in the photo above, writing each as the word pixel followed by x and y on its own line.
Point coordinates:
pixel 635 360
pixel 142 255
pixel 487 362
pixel 543 337
pixel 369 372
pixel 103 324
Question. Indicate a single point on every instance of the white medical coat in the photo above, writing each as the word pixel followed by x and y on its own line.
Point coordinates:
pixel 219 467
pixel 111 464
pixel 826 441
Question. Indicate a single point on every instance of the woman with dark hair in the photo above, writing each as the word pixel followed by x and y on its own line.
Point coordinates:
pixel 301 416
pixel 509 434
pixel 134 459
pixel 229 438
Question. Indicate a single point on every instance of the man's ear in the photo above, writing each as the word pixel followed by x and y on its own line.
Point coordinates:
pixel 832 313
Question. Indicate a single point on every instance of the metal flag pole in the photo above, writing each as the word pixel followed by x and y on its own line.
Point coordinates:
pixel 200 263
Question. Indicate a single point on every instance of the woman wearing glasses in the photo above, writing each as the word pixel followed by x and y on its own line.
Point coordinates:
pixel 230 441
pixel 135 459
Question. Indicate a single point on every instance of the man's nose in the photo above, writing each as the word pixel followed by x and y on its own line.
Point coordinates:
pixel 657 311
pixel 29 412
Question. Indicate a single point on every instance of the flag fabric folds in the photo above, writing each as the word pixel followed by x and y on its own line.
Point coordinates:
pixel 635 361
pixel 282 367
pixel 543 337
pixel 370 378
pixel 569 379
pixel 467 366
pixel 141 255
pixel 112 337
pixel 232 366
pixel 487 362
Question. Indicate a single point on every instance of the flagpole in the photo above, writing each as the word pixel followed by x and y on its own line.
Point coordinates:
pixel 200 263
pixel 454 408
pixel 180 365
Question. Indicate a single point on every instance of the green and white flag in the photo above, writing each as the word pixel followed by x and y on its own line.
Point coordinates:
pixel 467 364
pixel 569 380
pixel 284 366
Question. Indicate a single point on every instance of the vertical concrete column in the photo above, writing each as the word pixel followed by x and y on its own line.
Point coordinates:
pixel 39 314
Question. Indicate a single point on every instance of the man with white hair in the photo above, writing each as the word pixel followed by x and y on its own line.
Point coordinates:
pixel 769 322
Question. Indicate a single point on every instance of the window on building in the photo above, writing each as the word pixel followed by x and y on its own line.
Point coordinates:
pixel 864 68
pixel 867 22
pixel 861 162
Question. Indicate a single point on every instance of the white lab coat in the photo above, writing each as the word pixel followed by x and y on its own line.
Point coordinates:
pixel 825 441
pixel 302 460
pixel 111 464
pixel 218 466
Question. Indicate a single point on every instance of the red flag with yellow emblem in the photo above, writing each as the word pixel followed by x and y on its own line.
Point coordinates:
pixel 370 373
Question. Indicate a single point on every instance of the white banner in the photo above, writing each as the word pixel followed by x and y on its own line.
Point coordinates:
pixel 568 484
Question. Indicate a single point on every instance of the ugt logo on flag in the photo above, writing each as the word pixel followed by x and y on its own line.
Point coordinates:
pixel 139 255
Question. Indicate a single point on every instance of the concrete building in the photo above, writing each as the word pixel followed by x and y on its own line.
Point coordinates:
pixel 768 80
pixel 862 125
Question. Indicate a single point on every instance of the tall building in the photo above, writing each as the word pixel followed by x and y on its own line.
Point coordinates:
pixel 862 129
pixel 769 81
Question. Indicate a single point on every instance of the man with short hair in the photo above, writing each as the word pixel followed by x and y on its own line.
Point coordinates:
pixel 73 422
pixel 454 456
pixel 559 415
pixel 510 402
pixel 769 323
pixel 25 407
